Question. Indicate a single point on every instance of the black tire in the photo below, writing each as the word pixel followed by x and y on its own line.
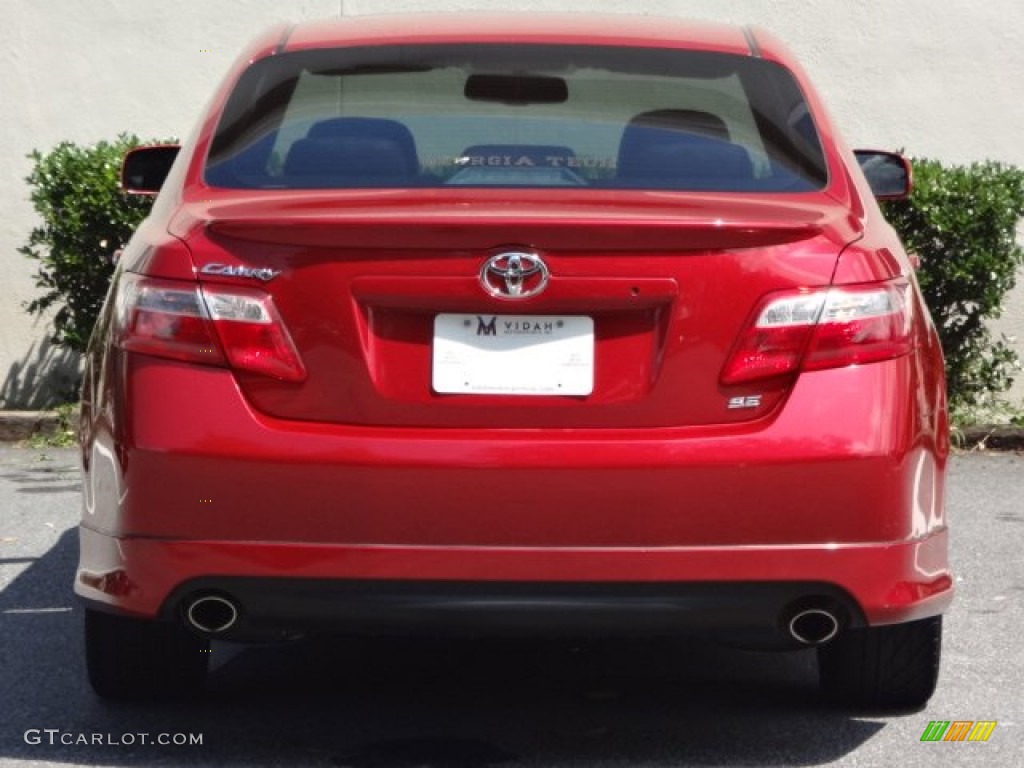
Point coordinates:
pixel 130 658
pixel 889 667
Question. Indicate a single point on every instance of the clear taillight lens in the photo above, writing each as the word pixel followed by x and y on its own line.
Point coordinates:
pixel 210 325
pixel 823 328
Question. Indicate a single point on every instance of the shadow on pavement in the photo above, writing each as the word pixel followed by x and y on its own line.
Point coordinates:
pixel 438 704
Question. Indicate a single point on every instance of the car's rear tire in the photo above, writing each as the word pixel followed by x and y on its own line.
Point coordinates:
pixel 129 658
pixel 888 667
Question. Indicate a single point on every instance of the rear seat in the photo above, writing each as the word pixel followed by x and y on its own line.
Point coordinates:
pixel 353 152
pixel 682 149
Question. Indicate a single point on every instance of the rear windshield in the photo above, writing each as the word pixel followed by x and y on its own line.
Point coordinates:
pixel 516 116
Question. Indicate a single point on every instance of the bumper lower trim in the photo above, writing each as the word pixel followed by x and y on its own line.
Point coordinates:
pixel 287 606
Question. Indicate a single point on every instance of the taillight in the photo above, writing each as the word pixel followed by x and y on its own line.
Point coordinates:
pixel 252 333
pixel 209 325
pixel 812 329
pixel 166 318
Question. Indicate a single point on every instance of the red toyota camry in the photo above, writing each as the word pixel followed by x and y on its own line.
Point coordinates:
pixel 515 323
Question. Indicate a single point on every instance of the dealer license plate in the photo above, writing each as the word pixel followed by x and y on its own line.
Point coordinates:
pixel 513 354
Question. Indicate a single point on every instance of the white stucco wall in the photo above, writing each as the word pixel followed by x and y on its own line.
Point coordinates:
pixel 938 79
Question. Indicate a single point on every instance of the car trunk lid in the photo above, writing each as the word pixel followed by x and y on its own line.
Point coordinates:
pixel 653 289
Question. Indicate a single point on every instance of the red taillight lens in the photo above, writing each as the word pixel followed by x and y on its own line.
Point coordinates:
pixel 209 325
pixel 252 333
pixel 862 324
pixel 823 328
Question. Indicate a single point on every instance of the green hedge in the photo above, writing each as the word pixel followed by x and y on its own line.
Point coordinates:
pixel 85 219
pixel 961 222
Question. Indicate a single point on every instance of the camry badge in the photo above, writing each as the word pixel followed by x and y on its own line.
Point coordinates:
pixel 265 274
pixel 514 275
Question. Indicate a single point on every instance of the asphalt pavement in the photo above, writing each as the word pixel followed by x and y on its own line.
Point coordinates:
pixel 347 704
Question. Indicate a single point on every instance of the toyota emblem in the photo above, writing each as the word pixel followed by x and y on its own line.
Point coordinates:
pixel 514 275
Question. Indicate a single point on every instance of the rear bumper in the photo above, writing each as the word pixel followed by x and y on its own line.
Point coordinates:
pixel 839 489
pixel 849 459
pixel 302 585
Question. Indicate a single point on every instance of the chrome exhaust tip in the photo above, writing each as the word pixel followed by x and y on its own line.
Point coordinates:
pixel 813 626
pixel 211 614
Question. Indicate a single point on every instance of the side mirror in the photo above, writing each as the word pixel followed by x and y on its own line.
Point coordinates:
pixel 889 174
pixel 144 169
